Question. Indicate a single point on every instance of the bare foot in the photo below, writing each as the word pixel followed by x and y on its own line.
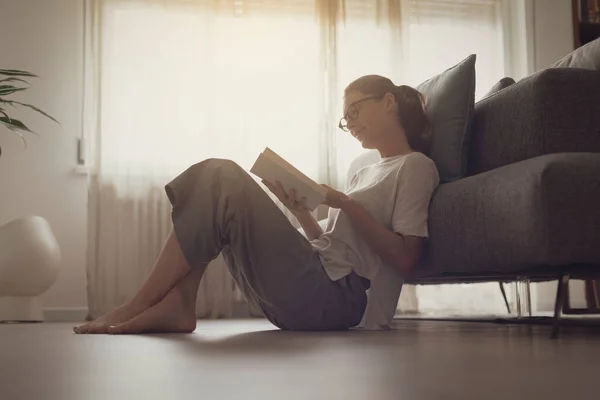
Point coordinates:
pixel 100 325
pixel 174 314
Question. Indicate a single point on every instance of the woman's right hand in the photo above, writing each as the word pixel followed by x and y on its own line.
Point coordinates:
pixel 296 206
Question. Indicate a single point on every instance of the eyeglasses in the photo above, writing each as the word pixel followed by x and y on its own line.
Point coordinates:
pixel 352 112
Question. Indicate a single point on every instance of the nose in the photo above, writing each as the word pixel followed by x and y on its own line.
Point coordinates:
pixel 350 124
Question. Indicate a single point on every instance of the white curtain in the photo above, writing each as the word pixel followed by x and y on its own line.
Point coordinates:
pixel 172 82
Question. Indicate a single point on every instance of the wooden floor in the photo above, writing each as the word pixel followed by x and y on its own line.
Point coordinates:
pixel 250 359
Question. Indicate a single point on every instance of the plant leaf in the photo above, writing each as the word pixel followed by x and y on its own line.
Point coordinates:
pixel 15 130
pixel 16 72
pixel 6 102
pixel 15 125
pixel 12 103
pixel 14 80
pixel 9 89
pixel 5 114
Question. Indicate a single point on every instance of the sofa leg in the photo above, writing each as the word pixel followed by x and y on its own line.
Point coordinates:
pixel 558 305
pixel 504 296
pixel 528 282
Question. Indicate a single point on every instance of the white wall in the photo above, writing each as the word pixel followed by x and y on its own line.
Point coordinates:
pixel 540 33
pixel 518 38
pixel 46 38
pixel 553 32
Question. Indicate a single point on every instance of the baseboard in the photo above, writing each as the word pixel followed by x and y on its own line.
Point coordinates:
pixel 65 314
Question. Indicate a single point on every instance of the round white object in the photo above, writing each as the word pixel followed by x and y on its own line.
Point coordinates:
pixel 29 264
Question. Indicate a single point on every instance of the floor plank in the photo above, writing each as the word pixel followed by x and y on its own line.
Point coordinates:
pixel 251 359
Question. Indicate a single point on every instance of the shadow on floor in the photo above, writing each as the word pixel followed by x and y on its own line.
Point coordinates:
pixel 263 342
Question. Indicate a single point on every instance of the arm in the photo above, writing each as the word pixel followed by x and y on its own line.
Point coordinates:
pixel 309 224
pixel 400 251
pixel 401 246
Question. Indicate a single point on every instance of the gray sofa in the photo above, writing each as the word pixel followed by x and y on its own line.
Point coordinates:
pixel 530 203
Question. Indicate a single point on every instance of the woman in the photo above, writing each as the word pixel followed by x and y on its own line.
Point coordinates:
pixel 374 235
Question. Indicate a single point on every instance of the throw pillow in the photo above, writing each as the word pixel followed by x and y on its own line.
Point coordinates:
pixel 502 84
pixel 450 102
pixel 587 57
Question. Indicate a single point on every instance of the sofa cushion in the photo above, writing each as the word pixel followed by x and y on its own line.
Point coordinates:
pixel 502 84
pixel 533 213
pixel 587 57
pixel 450 101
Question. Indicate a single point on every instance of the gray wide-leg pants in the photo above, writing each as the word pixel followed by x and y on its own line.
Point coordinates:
pixel 218 207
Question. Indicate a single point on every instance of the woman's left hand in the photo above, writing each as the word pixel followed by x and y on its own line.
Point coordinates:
pixel 334 198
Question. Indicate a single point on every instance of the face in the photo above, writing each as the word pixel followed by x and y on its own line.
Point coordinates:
pixel 368 117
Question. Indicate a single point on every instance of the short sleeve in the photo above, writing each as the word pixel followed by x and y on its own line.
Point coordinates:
pixel 417 180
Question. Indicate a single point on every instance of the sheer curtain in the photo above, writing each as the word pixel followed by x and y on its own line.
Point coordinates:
pixel 170 83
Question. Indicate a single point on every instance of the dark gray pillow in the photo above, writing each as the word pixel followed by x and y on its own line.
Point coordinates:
pixel 502 84
pixel 450 101
pixel 587 57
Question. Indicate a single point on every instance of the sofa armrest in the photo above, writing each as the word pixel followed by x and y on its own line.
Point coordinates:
pixel 556 110
pixel 539 212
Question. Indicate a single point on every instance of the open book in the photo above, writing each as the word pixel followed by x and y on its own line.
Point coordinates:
pixel 272 168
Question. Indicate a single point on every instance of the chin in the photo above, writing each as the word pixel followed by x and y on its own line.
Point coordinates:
pixel 367 145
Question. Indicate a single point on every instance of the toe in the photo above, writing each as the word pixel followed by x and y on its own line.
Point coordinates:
pixel 97 328
pixel 131 326
pixel 82 328
pixel 115 329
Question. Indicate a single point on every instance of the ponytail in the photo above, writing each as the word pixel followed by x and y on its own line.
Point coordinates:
pixel 413 118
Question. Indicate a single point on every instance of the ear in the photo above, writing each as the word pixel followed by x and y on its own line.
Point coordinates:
pixel 389 100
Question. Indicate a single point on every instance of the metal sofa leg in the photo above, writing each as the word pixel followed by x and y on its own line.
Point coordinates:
pixel 558 305
pixel 504 296
pixel 528 282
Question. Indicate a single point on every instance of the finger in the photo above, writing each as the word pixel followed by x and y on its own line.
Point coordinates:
pixel 280 194
pixel 274 190
pixel 281 189
pixel 303 204
pixel 293 196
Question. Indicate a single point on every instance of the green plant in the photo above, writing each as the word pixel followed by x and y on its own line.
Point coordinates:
pixel 12 81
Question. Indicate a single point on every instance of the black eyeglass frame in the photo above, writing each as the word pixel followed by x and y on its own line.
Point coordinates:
pixel 343 124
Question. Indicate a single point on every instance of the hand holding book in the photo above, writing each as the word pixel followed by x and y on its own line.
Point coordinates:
pixel 272 168
pixel 295 205
pixel 334 198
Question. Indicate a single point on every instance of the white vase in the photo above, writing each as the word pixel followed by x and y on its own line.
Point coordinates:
pixel 29 264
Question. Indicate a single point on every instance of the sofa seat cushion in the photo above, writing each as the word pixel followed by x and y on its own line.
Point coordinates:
pixel 540 212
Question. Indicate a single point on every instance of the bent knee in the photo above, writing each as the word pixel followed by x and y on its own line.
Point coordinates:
pixel 222 163
pixel 217 165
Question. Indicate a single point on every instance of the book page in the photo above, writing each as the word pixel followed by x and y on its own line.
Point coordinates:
pixel 272 169
pixel 293 170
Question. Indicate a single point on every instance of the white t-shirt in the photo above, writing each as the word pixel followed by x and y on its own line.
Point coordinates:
pixel 396 191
